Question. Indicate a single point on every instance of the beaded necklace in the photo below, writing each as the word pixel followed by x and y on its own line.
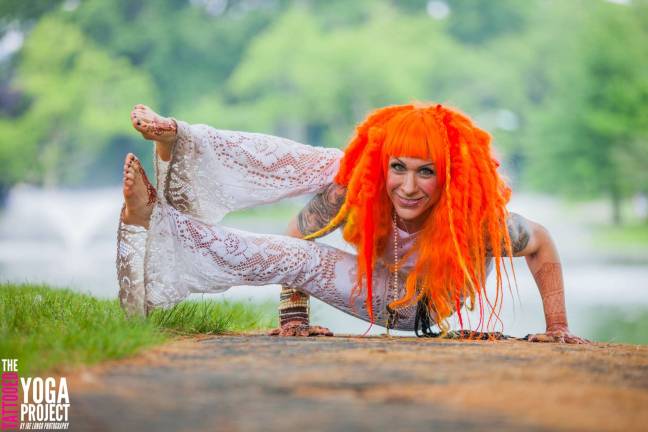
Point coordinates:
pixel 392 318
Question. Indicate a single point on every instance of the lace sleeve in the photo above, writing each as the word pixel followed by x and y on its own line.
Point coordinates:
pixel 213 172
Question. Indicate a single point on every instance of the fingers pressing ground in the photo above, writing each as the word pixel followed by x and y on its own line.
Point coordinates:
pixel 577 340
pixel 541 338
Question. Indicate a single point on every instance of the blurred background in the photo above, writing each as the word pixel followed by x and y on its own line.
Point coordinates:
pixel 561 85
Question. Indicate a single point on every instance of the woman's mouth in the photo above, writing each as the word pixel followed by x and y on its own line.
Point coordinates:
pixel 408 202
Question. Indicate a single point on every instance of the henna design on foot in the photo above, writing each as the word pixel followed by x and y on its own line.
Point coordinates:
pixel 150 190
pixel 139 193
pixel 153 126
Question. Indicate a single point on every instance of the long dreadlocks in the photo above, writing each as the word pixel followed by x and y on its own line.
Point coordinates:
pixel 468 220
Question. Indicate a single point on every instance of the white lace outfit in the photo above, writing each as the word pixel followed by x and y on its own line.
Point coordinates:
pixel 185 250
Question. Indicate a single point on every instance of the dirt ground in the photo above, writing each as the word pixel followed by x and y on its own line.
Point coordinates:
pixel 260 383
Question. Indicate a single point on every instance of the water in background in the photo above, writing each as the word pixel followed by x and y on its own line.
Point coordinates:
pixel 68 238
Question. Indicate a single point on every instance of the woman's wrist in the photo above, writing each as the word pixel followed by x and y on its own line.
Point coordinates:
pixel 557 328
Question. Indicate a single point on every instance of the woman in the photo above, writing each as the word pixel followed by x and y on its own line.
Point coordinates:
pixel 422 203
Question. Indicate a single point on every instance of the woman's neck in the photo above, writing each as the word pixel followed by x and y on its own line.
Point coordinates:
pixel 414 225
pixel 409 227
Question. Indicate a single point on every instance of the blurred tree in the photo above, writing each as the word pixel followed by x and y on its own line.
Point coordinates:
pixel 593 132
pixel 478 21
pixel 318 85
pixel 187 47
pixel 559 84
pixel 77 96
pixel 16 18
pixel 25 11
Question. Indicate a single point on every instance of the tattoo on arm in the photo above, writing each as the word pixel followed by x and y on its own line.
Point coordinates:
pixel 321 209
pixel 519 232
pixel 550 283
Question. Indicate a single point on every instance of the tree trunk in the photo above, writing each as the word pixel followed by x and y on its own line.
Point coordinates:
pixel 4 194
pixel 615 196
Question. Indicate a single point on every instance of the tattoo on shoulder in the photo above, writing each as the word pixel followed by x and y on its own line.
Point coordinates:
pixel 321 209
pixel 519 231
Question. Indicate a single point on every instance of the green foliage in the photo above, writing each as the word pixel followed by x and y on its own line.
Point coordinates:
pixel 46 328
pixel 594 128
pixel 479 21
pixel 25 10
pixel 626 236
pixel 78 94
pixel 569 77
pixel 328 77
pixel 619 325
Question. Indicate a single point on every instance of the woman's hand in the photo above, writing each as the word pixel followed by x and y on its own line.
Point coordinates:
pixel 301 330
pixel 560 335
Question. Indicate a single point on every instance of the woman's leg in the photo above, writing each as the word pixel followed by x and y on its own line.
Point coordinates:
pixel 213 172
pixel 185 255
pixel 139 196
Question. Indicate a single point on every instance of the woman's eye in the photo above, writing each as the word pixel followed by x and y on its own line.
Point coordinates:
pixel 427 171
pixel 397 166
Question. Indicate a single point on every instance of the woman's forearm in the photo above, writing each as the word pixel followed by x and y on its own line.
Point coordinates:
pixel 547 271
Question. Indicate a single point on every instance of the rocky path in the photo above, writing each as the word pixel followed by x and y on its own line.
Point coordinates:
pixel 259 383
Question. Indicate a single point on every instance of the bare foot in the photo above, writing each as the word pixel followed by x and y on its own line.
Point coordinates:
pixel 139 193
pixel 300 329
pixel 154 127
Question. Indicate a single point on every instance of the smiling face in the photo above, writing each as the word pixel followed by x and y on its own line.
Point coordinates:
pixel 413 189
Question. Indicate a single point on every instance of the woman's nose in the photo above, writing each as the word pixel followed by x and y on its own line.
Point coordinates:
pixel 409 184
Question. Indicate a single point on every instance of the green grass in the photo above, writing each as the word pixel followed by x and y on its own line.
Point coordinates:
pixel 620 325
pixel 281 212
pixel 49 328
pixel 634 235
pixel 212 317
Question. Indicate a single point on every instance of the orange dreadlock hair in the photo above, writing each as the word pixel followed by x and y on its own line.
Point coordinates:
pixel 468 220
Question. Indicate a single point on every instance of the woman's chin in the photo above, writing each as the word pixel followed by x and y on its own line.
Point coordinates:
pixel 409 215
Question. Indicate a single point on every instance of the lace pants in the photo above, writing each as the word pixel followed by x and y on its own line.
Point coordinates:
pixel 185 250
